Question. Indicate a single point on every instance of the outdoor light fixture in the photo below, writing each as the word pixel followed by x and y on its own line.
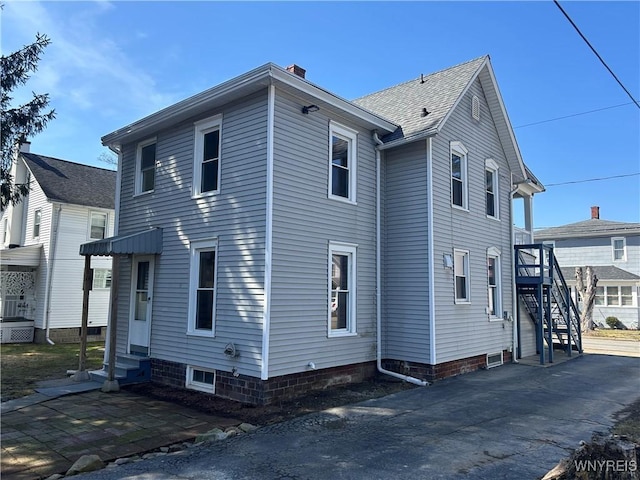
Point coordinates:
pixel 310 108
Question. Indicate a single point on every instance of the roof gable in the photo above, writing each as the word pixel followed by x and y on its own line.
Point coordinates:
pixel 67 182
pixel 439 93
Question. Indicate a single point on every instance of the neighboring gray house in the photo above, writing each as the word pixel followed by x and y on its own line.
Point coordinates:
pixel 275 238
pixel 613 250
pixel 41 272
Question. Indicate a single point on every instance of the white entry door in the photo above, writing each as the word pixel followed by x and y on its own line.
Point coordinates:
pixel 141 305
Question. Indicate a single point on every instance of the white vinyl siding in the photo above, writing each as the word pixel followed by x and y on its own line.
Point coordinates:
pixel 236 216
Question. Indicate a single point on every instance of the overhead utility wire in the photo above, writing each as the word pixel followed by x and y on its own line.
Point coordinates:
pixel 572 115
pixel 597 54
pixel 592 179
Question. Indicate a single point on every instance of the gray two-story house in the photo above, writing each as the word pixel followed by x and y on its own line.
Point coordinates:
pixel 274 237
pixel 612 249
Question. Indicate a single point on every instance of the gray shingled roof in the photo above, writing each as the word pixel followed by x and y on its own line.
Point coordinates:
pixel 74 183
pixel 593 227
pixel 603 272
pixel 437 92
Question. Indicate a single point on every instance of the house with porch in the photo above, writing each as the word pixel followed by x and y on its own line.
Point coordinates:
pixel 612 249
pixel 273 237
pixel 41 273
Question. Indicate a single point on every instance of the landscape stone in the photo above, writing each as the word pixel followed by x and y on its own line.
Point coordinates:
pixel 86 463
pixel 247 427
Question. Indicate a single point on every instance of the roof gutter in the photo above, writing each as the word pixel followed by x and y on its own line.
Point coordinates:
pixel 415 381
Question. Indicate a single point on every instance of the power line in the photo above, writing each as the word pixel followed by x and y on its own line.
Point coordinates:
pixel 596 53
pixel 592 179
pixel 573 115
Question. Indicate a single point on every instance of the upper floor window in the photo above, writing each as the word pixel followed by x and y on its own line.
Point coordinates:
pixel 461 273
pixel 459 187
pixel 342 162
pixel 206 163
pixel 494 282
pixel 202 289
pixel 146 166
pixel 342 289
pixel 97 225
pixel 619 246
pixel 37 219
pixel 491 188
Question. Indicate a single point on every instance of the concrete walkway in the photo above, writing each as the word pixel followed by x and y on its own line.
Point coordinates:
pixel 45 433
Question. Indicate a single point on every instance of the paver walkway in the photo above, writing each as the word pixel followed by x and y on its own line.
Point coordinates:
pixel 44 438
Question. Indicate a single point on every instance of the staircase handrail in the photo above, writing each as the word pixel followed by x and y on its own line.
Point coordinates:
pixel 573 308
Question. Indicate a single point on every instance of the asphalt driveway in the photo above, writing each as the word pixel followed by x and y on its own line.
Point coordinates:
pixel 512 422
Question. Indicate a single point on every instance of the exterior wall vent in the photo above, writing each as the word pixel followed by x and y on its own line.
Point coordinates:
pixel 475 108
pixel 494 360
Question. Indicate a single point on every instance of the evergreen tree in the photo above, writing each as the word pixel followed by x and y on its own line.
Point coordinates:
pixel 23 121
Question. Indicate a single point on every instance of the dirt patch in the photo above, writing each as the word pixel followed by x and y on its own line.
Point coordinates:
pixel 277 412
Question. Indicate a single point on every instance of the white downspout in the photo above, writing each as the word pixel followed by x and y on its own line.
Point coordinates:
pixel 406 378
pixel 52 256
pixel 514 290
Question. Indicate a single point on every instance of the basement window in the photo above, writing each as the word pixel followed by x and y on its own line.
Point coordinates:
pixel 201 379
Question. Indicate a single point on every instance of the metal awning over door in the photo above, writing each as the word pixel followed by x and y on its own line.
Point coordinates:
pixel 148 242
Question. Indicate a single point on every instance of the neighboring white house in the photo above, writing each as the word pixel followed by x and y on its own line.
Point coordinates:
pixel 275 238
pixel 613 250
pixel 41 270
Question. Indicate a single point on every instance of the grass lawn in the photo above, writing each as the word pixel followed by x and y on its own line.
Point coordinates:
pixel 611 333
pixel 23 365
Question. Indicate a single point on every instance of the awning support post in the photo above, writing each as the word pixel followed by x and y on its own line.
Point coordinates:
pixel 111 384
pixel 81 374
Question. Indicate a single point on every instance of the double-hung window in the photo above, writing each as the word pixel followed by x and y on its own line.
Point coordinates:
pixel 97 225
pixel 459 187
pixel 494 283
pixel 615 296
pixel 491 188
pixel 342 162
pixel 146 166
pixel 202 288
pixel 37 219
pixel 619 247
pixel 461 273
pixel 206 162
pixel 342 289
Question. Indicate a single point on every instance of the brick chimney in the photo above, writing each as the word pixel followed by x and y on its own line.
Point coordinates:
pixel 595 212
pixel 296 70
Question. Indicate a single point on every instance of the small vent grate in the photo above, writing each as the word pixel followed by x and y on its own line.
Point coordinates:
pixel 494 360
pixel 475 108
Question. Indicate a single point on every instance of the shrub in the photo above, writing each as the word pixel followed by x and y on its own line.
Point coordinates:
pixel 614 323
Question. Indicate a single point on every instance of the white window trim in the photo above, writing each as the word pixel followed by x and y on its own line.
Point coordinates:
pixel 459 149
pixel 467 300
pixel 350 250
pixel 605 298
pixel 106 224
pixel 491 165
pixel 202 127
pixel 495 253
pixel 194 265
pixel 138 176
pixel 39 223
pixel 200 386
pixel 352 137
pixel 624 249
pixel 101 274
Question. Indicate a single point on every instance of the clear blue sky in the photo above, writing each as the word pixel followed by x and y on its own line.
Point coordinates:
pixel 111 63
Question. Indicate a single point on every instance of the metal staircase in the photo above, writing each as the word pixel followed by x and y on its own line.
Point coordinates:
pixel 547 300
